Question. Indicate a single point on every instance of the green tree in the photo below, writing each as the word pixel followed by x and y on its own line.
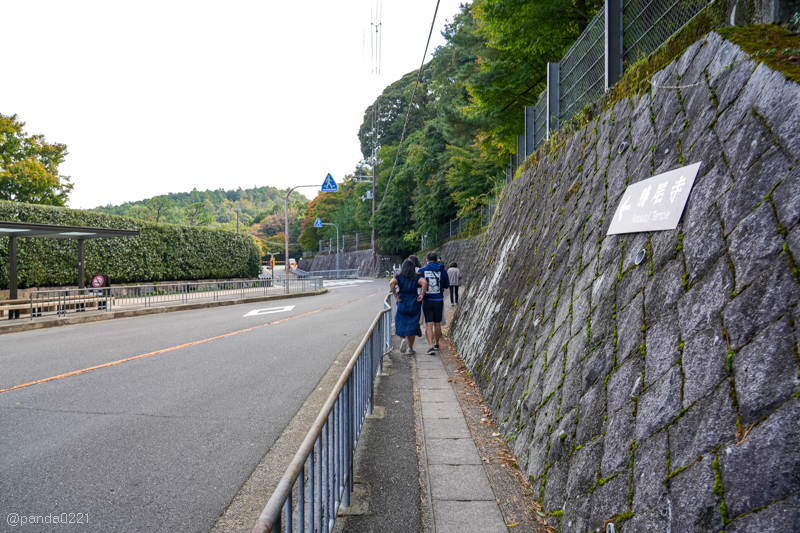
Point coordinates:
pixel 29 166
pixel 197 214
pixel 160 206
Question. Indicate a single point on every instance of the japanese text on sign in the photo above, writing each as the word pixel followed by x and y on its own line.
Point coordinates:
pixel 654 204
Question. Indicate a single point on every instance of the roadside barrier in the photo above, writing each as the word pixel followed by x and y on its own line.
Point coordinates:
pixel 335 274
pixel 62 301
pixel 320 477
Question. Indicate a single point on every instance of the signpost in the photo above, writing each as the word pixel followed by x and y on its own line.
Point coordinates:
pixel 321 223
pixel 329 185
pixel 655 204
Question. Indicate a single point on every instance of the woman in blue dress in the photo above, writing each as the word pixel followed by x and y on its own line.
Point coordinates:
pixel 405 287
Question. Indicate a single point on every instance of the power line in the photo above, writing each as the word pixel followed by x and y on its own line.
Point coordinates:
pixel 408 111
pixel 523 93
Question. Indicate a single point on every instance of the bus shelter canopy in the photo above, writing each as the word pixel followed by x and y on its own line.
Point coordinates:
pixel 15 230
pixel 54 231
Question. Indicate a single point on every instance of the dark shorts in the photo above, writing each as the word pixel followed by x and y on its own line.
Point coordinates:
pixel 433 310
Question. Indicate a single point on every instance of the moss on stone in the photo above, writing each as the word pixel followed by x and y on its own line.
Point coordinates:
pixel 776 47
pixel 719 490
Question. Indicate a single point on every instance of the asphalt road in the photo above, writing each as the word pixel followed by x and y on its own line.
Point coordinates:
pixel 162 442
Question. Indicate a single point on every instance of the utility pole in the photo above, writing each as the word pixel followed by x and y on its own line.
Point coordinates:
pixel 237 217
pixel 372 225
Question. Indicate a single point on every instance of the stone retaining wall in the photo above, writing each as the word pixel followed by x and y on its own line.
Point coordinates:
pixel 662 396
pixel 361 260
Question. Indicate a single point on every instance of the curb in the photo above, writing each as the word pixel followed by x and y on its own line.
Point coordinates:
pixel 422 454
pixel 100 317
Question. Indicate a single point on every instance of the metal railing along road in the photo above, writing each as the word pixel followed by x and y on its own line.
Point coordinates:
pixel 63 301
pixel 320 477
pixel 336 274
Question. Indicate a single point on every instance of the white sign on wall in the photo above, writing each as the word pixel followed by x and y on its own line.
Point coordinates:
pixel 655 204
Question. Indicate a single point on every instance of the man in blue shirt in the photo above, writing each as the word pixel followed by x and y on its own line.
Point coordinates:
pixel 433 300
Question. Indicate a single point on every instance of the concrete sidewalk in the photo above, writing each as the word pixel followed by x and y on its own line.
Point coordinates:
pixel 459 490
pixel 455 475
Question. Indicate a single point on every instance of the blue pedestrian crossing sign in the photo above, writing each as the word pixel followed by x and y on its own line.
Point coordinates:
pixel 329 185
pixel 318 223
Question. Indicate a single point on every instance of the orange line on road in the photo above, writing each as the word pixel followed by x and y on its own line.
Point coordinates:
pixel 194 343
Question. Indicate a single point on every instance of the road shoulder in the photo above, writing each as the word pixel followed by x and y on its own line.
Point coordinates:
pixel 243 511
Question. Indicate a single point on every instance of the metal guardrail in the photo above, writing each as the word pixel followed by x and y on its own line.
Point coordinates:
pixel 320 477
pixel 300 273
pixel 62 301
pixel 336 274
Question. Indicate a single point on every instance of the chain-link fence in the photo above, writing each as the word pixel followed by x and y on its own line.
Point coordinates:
pixel 647 24
pixel 582 69
pixel 462 227
pixel 540 120
pixel 347 243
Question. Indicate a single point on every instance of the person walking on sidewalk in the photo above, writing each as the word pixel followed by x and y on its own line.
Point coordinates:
pixel 433 302
pixel 404 287
pixel 455 276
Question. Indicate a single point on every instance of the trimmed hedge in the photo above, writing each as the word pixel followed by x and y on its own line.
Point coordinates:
pixel 161 252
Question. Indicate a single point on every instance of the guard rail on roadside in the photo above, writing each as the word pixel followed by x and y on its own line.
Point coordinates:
pixel 320 477
pixel 335 274
pixel 63 301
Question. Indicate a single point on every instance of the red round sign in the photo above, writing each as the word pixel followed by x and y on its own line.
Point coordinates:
pixel 97 281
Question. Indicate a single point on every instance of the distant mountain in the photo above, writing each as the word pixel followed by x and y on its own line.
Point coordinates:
pixel 256 205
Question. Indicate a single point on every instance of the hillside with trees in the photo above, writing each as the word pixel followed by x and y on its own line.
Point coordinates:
pixel 462 127
pixel 261 212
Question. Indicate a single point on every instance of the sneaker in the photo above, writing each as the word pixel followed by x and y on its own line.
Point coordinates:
pixel 436 347
pixel 410 352
pixel 403 344
pixel 431 351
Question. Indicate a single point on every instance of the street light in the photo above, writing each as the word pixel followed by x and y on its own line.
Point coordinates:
pixel 286 219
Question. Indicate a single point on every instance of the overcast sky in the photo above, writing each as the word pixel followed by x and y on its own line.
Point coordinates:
pixel 158 97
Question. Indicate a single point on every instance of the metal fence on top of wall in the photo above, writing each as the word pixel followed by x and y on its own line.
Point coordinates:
pixel 347 243
pixel 622 32
pixel 461 227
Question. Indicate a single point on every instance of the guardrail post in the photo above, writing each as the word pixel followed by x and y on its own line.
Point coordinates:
pixel 553 94
pixel 346 474
pixel 301 500
pixel 614 46
pixel 371 373
pixel 320 486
